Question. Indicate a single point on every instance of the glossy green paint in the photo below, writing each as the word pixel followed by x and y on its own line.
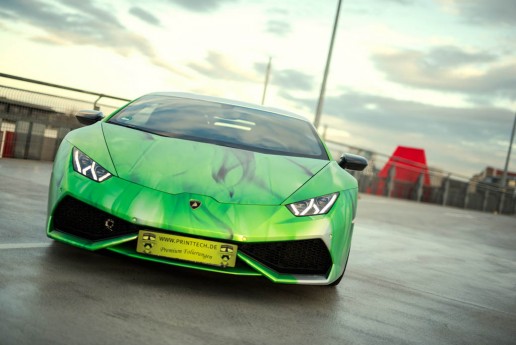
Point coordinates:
pixel 152 208
pixel 226 174
pixel 243 195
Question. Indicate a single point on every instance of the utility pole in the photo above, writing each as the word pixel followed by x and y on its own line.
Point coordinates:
pixel 326 70
pixel 503 182
pixel 324 133
pixel 267 73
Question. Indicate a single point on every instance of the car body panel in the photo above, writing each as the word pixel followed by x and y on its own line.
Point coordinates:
pixel 227 174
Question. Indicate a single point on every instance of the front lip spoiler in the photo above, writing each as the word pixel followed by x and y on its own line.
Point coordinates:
pixel 255 268
pixel 88 244
pixel 258 269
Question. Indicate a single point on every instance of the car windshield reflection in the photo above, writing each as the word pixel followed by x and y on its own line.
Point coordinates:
pixel 222 124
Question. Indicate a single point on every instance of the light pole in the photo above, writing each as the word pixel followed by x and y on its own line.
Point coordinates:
pixel 326 70
pixel 503 182
pixel 267 73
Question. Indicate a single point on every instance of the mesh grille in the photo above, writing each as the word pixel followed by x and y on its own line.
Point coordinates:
pixel 80 219
pixel 298 257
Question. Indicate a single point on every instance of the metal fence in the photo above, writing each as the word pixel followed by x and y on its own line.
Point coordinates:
pixel 441 188
pixel 35 116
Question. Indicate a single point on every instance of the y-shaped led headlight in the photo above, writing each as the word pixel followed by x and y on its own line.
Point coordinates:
pixel 86 166
pixel 314 206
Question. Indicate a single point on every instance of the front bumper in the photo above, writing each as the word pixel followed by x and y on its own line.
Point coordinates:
pixel 108 215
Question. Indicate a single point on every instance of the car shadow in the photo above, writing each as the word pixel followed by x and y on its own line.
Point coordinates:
pixel 82 267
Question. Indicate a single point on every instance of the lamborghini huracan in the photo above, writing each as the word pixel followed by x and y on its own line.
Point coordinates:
pixel 209 184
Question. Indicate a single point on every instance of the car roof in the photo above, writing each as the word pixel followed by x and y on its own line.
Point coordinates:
pixel 187 95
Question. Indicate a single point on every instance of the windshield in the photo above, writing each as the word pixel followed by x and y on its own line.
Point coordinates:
pixel 222 124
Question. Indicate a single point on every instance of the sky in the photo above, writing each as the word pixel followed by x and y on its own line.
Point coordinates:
pixel 433 74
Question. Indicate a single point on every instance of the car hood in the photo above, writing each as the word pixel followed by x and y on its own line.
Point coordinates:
pixel 228 175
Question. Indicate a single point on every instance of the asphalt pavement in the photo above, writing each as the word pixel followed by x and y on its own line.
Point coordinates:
pixel 418 274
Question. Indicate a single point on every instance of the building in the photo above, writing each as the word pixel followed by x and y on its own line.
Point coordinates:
pixel 490 178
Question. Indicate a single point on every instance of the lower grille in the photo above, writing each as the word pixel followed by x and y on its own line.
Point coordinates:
pixel 80 219
pixel 288 257
pixel 296 257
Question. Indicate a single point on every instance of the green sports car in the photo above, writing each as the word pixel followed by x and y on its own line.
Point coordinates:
pixel 206 183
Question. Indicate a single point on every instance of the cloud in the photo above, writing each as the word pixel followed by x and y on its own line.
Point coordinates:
pixel 219 66
pixel 80 22
pixel 484 12
pixel 87 7
pixel 437 122
pixel 293 80
pixel 446 56
pixel 6 15
pixel 277 11
pixel 287 79
pixel 402 2
pixel 449 68
pixel 144 15
pixel 201 5
pixel 50 40
pixel 463 140
pixel 278 27
pixel 277 23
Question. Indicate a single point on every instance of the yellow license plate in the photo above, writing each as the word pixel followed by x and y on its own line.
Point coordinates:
pixel 187 248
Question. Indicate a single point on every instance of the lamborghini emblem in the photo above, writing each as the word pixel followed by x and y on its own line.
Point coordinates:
pixel 195 204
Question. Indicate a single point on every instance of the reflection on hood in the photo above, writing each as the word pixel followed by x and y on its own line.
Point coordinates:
pixel 226 174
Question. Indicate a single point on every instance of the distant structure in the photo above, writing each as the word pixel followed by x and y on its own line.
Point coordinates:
pixel 490 177
pixel 403 174
pixel 31 131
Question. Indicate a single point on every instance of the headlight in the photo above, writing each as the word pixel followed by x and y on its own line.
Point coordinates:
pixel 314 206
pixel 86 166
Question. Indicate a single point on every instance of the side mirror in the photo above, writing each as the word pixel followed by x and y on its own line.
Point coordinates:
pixel 352 162
pixel 89 117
